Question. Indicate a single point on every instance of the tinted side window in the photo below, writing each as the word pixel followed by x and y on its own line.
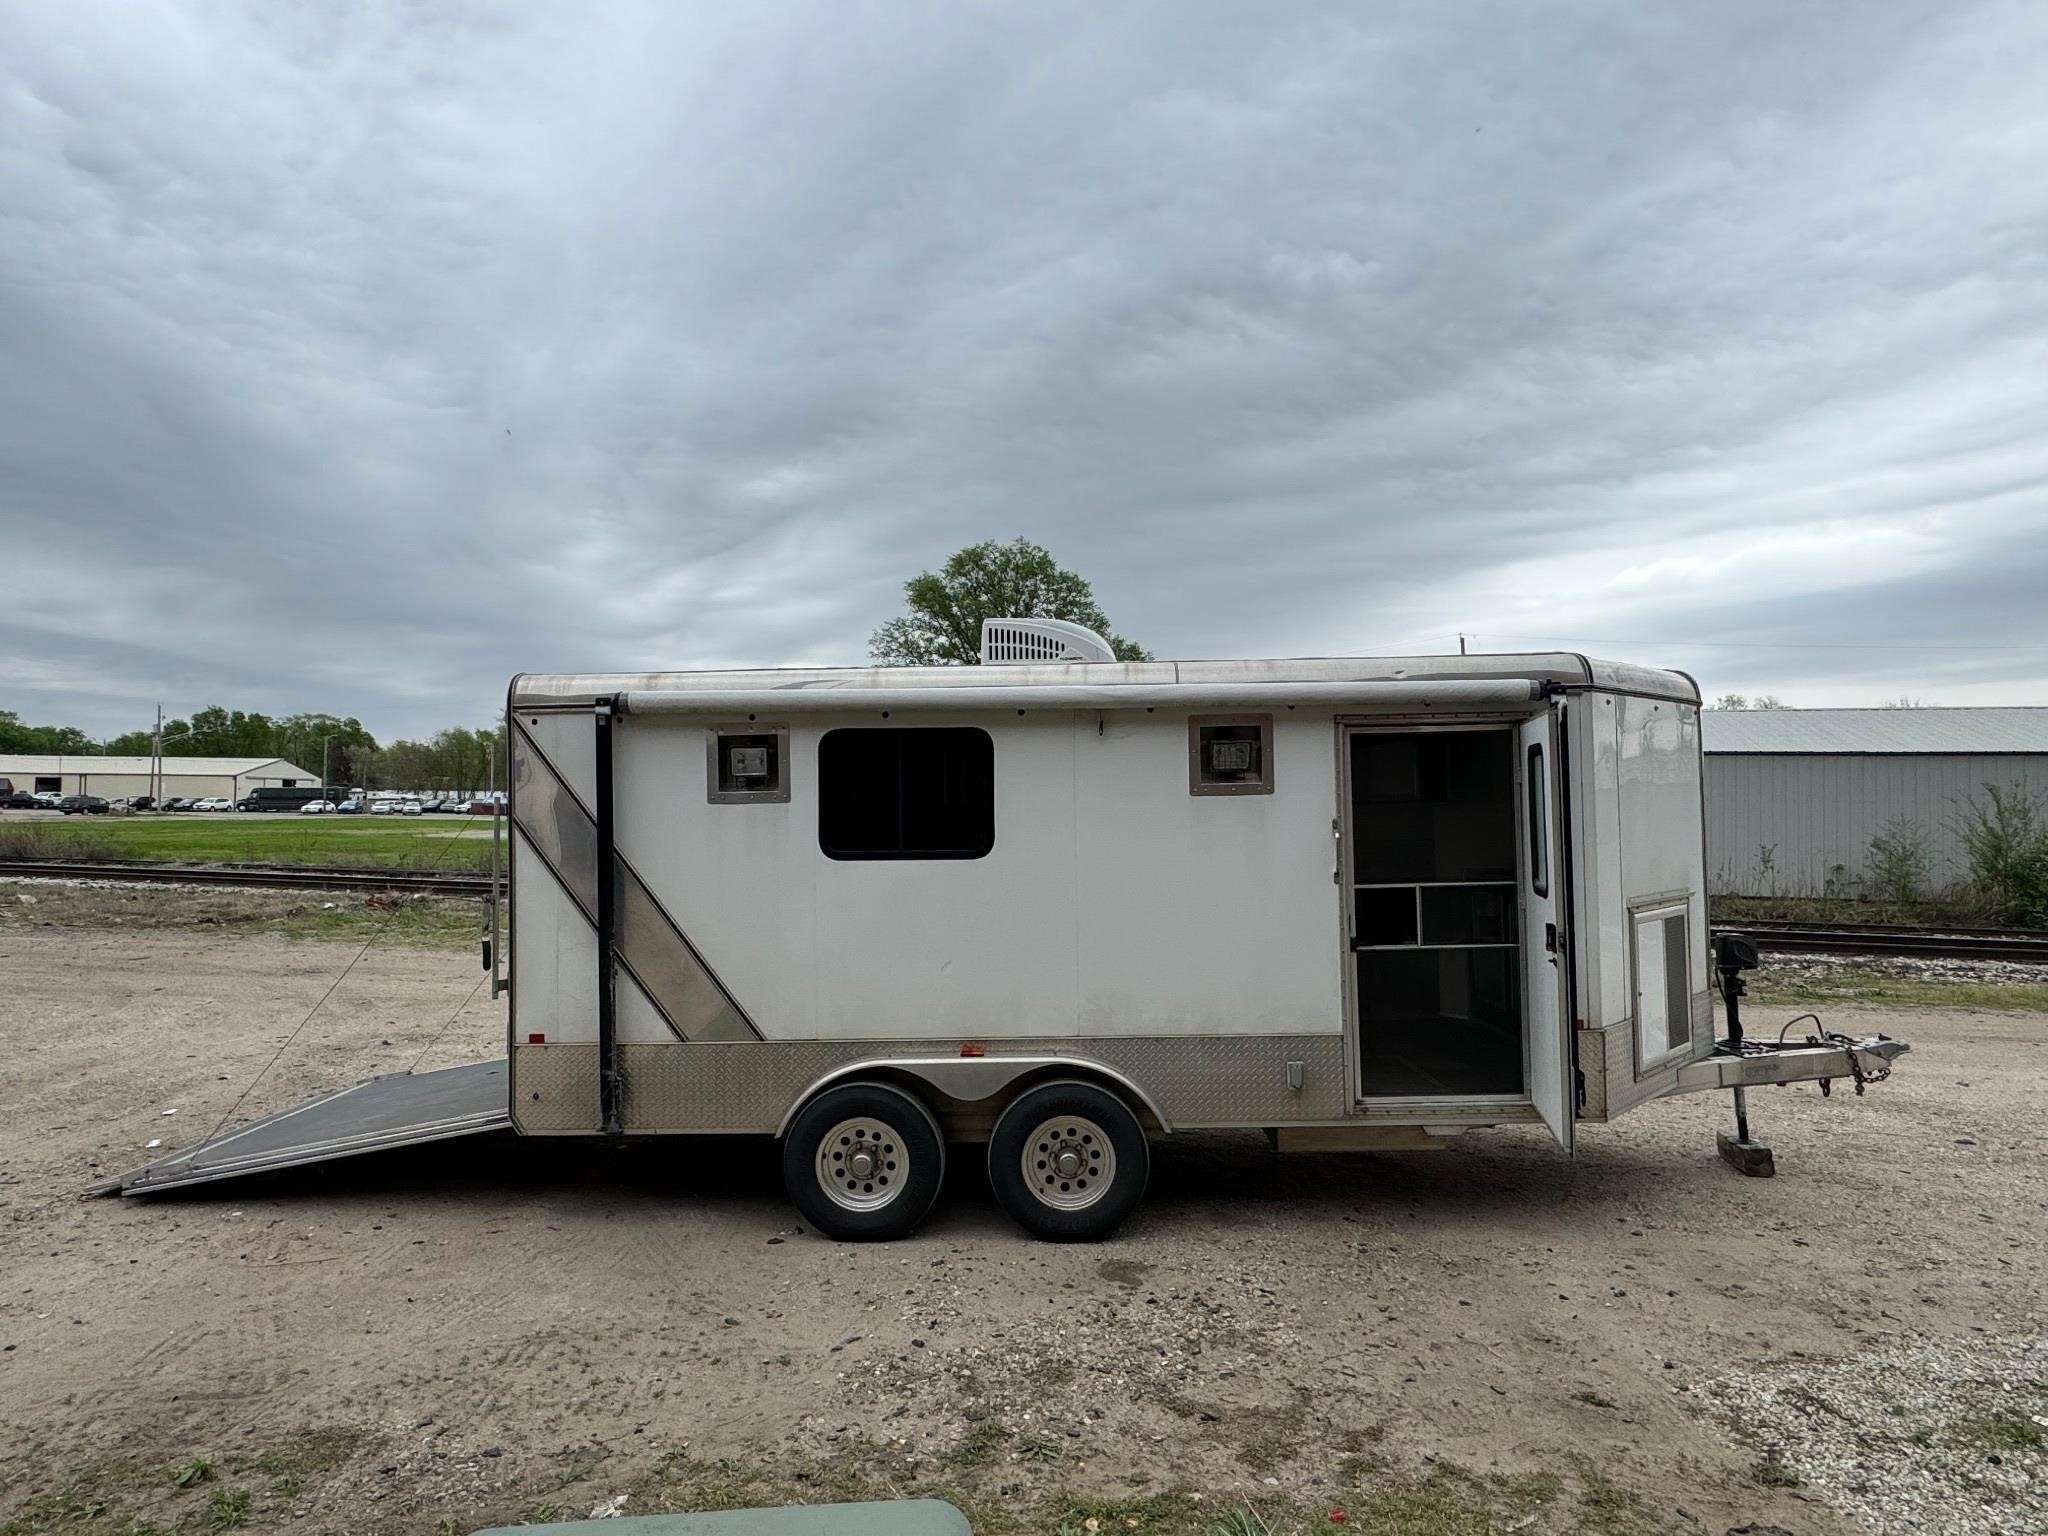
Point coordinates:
pixel 914 793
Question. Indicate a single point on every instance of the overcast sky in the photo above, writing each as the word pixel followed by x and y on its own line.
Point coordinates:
pixel 356 357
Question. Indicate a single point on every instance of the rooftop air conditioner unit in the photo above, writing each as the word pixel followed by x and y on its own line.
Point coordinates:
pixel 1023 640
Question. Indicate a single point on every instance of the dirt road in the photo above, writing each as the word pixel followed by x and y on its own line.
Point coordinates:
pixel 1488 1338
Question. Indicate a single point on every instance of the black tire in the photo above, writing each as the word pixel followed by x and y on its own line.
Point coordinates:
pixel 1070 1192
pixel 874 1120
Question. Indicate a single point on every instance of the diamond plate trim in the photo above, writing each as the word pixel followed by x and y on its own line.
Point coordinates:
pixel 748 1086
pixel 554 1089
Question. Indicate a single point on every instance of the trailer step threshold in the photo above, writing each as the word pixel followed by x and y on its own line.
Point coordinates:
pixel 402 1109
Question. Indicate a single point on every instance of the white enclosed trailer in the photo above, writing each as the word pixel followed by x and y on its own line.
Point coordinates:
pixel 1063 906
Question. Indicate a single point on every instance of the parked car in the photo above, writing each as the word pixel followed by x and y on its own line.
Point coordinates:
pixel 177 803
pixel 213 803
pixel 315 808
pixel 20 803
pixel 349 808
pixel 83 805
pixel 141 803
pixel 409 808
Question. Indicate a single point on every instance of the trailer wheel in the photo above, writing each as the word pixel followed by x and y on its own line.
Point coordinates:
pixel 1069 1161
pixel 864 1161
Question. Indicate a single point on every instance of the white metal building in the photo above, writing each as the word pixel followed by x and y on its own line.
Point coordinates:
pixel 116 777
pixel 1794 796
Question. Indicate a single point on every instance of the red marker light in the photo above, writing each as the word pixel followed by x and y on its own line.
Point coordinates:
pixel 536 1039
pixel 974 1048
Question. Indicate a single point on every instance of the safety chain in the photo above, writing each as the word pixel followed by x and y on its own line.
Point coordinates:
pixel 1863 1078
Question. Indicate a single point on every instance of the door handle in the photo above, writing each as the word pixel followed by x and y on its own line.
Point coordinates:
pixel 1550 941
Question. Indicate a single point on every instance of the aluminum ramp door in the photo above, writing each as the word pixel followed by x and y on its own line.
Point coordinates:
pixel 402 1109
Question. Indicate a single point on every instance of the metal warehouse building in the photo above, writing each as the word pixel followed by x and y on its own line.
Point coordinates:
pixel 112 777
pixel 1794 796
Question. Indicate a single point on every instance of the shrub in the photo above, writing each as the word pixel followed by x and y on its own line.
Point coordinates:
pixel 1898 862
pixel 2007 841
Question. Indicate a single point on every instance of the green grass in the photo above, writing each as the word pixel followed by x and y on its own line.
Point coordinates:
pixel 227 1508
pixel 342 916
pixel 1961 910
pixel 258 1488
pixel 1860 984
pixel 369 842
pixel 2003 1431
pixel 303 1457
pixel 980 1446
pixel 1772 1472
pixel 116 1496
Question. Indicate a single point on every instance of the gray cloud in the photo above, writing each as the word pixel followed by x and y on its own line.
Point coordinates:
pixel 359 359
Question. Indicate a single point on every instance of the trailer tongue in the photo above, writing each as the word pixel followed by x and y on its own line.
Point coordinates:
pixel 402 1109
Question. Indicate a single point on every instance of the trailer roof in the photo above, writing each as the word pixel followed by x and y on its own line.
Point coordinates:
pixel 1563 668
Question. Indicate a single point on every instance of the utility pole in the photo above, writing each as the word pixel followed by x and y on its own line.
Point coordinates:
pixel 1461 645
pixel 156 764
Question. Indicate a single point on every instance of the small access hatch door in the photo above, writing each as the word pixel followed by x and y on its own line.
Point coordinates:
pixel 1547 1018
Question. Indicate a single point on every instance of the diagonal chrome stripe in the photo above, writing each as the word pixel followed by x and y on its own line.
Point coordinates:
pixel 650 945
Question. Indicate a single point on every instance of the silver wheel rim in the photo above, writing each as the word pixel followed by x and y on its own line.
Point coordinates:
pixel 862 1164
pixel 1068 1162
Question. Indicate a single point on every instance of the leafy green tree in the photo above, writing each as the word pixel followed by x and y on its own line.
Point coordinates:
pixel 218 732
pixel 458 758
pixel 15 736
pixel 1018 580
pixel 322 744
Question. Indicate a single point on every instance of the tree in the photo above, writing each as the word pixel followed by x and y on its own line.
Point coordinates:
pixel 1744 701
pixel 1018 580
pixel 458 758
pixel 324 744
pixel 17 737
pixel 1904 701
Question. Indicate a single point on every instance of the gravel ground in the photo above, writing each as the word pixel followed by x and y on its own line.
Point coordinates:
pixel 1910 1438
pixel 1792 970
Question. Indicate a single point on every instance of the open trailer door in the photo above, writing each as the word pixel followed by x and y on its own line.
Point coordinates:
pixel 1545 1015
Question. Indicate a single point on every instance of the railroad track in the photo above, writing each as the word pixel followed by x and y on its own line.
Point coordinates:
pixel 1776 937
pixel 1887 939
pixel 258 877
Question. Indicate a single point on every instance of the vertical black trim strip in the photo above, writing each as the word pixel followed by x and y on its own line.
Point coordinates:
pixel 609 1096
pixel 1568 903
